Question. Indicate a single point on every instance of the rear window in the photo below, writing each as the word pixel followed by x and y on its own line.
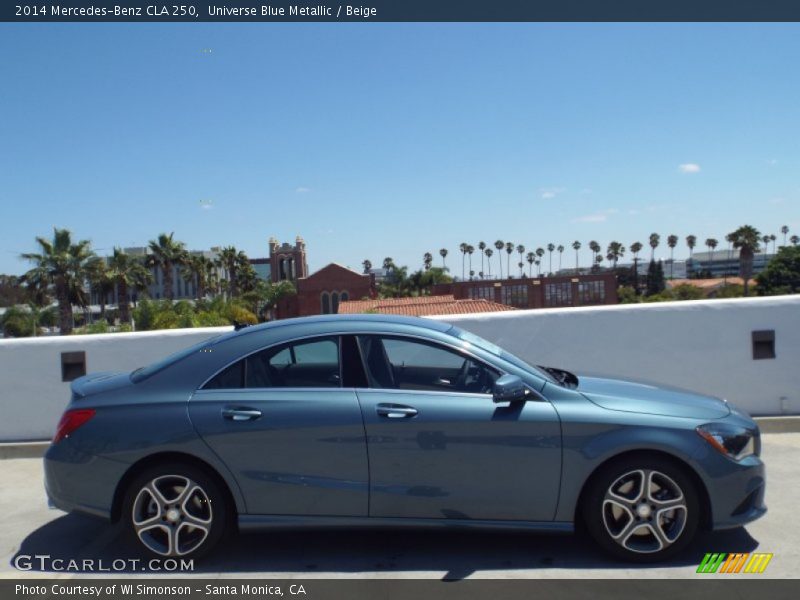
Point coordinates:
pixel 143 373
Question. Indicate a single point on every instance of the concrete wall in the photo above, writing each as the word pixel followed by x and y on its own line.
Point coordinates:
pixel 32 395
pixel 704 346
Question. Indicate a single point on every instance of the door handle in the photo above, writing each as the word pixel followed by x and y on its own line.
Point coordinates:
pixel 396 411
pixel 240 414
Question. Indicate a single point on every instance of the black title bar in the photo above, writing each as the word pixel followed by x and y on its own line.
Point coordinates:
pixel 401 11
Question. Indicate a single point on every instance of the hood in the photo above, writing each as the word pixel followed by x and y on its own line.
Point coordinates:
pixel 99 382
pixel 640 397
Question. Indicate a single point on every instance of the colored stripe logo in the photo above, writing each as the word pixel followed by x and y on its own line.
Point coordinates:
pixel 736 562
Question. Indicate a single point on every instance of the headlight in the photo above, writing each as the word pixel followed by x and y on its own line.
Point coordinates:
pixel 731 440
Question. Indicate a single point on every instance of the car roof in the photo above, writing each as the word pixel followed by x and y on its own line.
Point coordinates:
pixel 348 319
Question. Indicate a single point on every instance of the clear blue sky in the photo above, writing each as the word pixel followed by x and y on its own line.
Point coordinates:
pixel 374 140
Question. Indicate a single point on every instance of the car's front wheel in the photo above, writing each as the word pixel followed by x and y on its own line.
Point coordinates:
pixel 642 509
pixel 176 510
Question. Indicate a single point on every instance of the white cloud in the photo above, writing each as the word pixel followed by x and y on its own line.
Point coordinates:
pixel 302 190
pixel 551 192
pixel 689 168
pixel 772 161
pixel 206 205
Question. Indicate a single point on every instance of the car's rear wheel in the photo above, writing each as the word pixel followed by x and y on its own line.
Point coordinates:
pixel 642 509
pixel 175 510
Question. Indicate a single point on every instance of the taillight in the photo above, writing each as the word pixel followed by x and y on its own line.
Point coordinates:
pixel 70 421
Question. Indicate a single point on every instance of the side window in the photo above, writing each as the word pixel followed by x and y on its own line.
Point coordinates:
pixel 406 364
pixel 311 363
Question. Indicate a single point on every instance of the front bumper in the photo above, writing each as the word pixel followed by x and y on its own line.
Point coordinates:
pixel 736 492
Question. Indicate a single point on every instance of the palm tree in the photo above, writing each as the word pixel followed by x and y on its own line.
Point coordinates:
pixel 576 245
pixel 746 240
pixel 499 245
pixel 530 257
pixel 99 281
pixel 711 243
pixel 128 273
pixel 550 247
pixel 765 239
pixel 488 252
pixel 463 247
pixel 539 254
pixel 636 247
pixel 443 254
pixel 691 241
pixel 509 251
pixel 729 239
pixel 560 254
pixel 772 239
pixel 166 252
pixel 521 250
pixel 232 261
pixel 63 265
pixel 470 250
pixel 672 241
pixel 784 231
pixel 367 264
pixel 538 267
pixel 615 251
pixel 654 241
pixel 595 248
pixel 795 239
pixel 427 260
pixel 388 263
pixel 482 248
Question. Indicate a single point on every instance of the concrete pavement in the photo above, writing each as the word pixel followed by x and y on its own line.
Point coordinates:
pixel 27 527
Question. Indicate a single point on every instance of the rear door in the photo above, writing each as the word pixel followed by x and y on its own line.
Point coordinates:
pixel 291 435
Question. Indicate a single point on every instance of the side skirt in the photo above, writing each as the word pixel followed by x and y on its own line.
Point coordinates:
pixel 257 522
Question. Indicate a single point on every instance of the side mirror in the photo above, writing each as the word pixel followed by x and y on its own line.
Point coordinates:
pixel 509 388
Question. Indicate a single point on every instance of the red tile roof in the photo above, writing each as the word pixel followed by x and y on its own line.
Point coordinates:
pixel 420 306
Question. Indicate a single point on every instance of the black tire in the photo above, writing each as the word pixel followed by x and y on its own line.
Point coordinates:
pixel 193 516
pixel 630 528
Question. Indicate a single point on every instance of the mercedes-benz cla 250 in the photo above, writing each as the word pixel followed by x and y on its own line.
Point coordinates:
pixel 372 420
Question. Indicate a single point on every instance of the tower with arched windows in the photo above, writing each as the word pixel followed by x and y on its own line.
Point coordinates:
pixel 287 262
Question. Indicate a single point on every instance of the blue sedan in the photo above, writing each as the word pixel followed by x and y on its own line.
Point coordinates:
pixel 373 420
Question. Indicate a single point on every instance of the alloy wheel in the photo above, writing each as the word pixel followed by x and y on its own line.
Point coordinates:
pixel 172 515
pixel 644 511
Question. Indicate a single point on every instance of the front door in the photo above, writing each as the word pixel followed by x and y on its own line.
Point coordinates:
pixel 440 448
pixel 292 437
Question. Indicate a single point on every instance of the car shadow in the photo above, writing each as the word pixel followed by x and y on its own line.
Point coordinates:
pixel 459 554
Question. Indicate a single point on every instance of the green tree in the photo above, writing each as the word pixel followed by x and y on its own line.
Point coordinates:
pixel 499 245
pixel 520 251
pixel 530 257
pixel 166 253
pixel 615 252
pixel 576 245
pixel 482 249
pixel 595 248
pixel 636 247
pixel 746 239
pixel 691 242
pixel 488 252
pixel 672 241
pixel 128 274
pixel 550 248
pixel 509 251
pixel 655 240
pixel 470 251
pixel 367 264
pixel 62 264
pixel 232 261
pixel 560 250
pixel 655 278
pixel 785 232
pixel 443 254
pixel 427 260
pixel 782 273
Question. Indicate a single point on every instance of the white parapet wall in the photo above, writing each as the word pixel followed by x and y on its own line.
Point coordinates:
pixel 704 346
pixel 32 394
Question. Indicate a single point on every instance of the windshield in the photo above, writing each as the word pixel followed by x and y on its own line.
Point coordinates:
pixel 488 346
pixel 143 373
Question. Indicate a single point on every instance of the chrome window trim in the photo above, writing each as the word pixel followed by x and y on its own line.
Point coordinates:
pixel 340 334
